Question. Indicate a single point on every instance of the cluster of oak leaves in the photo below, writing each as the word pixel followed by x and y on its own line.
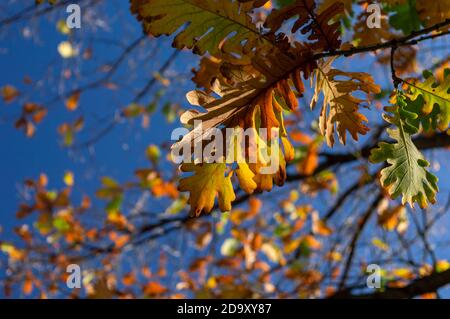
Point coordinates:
pixel 252 72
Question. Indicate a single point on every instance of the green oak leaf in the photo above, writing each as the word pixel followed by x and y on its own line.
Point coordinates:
pixel 434 97
pixel 405 17
pixel 428 122
pixel 406 173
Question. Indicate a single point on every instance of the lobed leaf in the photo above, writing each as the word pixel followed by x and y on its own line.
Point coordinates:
pixel 433 95
pixel 210 25
pixel 340 108
pixel 406 173
pixel 207 182
pixel 323 28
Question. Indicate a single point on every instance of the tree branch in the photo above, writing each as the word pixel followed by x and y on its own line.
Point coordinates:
pixel 361 225
pixel 404 41
pixel 430 283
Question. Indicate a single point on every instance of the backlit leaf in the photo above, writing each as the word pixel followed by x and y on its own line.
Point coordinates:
pixel 406 174
pixel 211 25
pixel 207 181
pixel 340 109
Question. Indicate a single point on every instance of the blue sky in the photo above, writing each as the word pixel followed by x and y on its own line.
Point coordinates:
pixel 117 154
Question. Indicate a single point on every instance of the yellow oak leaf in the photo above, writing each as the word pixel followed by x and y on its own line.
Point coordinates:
pixel 208 181
pixel 340 108
pixel 245 177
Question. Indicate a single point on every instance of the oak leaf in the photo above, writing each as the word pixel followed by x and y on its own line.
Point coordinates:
pixel 211 25
pixel 323 29
pixel 340 107
pixel 434 94
pixel 207 181
pixel 406 173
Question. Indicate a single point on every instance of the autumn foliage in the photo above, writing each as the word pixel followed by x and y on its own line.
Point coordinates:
pixel 363 118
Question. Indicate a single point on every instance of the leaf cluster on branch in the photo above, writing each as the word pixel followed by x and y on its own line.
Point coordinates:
pixel 253 72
